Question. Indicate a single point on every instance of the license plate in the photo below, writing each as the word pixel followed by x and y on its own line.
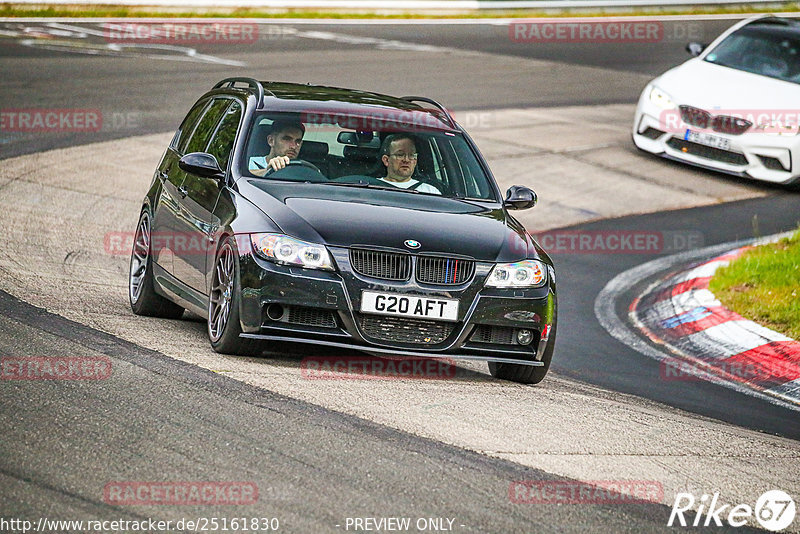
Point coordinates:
pixel 707 139
pixel 409 306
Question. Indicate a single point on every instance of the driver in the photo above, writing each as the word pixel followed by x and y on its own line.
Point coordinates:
pixel 399 156
pixel 284 142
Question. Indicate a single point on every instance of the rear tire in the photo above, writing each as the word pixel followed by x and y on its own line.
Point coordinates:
pixel 141 290
pixel 526 374
pixel 223 324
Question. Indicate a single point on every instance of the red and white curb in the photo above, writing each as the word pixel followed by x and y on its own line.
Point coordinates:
pixel 712 342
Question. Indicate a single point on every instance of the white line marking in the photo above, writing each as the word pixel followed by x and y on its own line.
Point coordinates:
pixel 788 391
pixel 730 338
pixel 130 51
pixel 703 271
pixel 690 300
pixel 378 43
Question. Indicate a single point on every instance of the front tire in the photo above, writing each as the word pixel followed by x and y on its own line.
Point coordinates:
pixel 224 326
pixel 526 374
pixel 141 290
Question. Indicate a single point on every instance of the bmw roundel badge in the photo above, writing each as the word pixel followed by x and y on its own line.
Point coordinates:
pixel 410 243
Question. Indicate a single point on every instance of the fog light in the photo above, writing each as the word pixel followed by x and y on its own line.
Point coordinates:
pixel 524 336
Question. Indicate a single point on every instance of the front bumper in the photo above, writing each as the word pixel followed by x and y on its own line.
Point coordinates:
pixel 284 303
pixel 757 155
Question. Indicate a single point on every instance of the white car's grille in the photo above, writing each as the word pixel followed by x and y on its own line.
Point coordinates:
pixel 719 123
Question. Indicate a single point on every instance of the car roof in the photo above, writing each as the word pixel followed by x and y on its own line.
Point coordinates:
pixel 331 101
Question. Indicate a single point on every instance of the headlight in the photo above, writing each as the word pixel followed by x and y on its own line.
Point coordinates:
pixel 284 249
pixel 527 273
pixel 661 99
pixel 777 128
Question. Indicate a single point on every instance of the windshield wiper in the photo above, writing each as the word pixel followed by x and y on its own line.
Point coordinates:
pixel 366 185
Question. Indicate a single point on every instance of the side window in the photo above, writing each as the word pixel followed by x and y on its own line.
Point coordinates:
pixel 222 143
pixel 182 135
pixel 205 127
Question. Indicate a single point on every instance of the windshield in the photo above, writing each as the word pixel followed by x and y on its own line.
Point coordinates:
pixel 401 157
pixel 766 49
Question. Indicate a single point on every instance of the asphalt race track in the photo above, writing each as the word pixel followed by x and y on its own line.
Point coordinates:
pixel 321 453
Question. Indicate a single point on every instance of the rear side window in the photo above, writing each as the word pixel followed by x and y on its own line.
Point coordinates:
pixel 188 124
pixel 222 143
pixel 205 126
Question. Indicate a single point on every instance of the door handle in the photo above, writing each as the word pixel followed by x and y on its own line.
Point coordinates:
pixel 163 175
pixel 183 191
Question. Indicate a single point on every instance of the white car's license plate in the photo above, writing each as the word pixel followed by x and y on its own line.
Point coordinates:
pixel 707 139
pixel 409 306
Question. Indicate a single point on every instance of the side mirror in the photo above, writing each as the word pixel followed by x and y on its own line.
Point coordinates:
pixel 519 197
pixel 201 164
pixel 695 49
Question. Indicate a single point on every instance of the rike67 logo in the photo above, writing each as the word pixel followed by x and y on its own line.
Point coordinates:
pixel 774 510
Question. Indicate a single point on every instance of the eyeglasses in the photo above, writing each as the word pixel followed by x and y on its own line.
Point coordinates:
pixel 404 156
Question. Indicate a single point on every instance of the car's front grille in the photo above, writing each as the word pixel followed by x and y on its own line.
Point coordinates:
pixel 497 335
pixel 444 271
pixel 717 154
pixel 695 117
pixel 397 266
pixel 380 264
pixel 730 125
pixel 300 315
pixel 403 330
pixel 719 123
pixel 311 316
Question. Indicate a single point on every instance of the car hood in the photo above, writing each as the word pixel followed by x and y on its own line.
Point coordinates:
pixel 708 86
pixel 352 216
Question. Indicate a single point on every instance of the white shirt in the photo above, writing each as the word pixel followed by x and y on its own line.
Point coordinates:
pixel 424 188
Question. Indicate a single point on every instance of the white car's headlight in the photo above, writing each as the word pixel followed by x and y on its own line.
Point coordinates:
pixel 777 128
pixel 284 249
pixel 661 99
pixel 526 273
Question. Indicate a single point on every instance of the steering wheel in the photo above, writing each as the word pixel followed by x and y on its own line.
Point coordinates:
pixel 295 162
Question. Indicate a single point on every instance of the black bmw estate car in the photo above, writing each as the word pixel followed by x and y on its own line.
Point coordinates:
pixel 320 215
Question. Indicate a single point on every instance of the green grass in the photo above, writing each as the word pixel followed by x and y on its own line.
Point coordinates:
pixel 764 285
pixel 111 11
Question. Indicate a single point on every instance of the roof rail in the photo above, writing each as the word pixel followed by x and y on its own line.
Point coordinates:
pixel 251 82
pixel 435 103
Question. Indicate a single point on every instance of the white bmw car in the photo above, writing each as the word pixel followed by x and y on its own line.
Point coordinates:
pixel 734 108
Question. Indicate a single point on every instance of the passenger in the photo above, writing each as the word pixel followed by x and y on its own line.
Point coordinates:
pixel 284 142
pixel 399 155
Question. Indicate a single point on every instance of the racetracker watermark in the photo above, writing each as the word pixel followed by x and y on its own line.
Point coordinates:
pixel 623 30
pixel 181 32
pixel 618 241
pixel 55 368
pixel 50 120
pixel 379 120
pixel 724 370
pixel 731 121
pixel 585 492
pixel 180 243
pixel 373 368
pixel 46 120
pixel 180 493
